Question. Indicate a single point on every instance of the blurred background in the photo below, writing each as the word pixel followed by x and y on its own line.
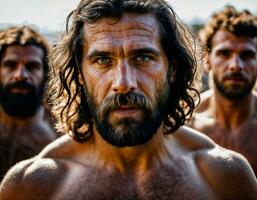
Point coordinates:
pixel 49 16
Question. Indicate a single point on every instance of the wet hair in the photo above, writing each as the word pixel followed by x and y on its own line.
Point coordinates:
pixel 67 95
pixel 242 23
pixel 24 35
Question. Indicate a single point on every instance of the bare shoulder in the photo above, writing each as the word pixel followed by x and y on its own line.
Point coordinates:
pixel 42 174
pixel 193 140
pixel 59 148
pixel 227 172
pixel 205 101
pixel 202 118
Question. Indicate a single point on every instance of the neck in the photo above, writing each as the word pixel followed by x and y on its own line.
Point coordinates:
pixel 233 113
pixel 126 159
pixel 11 122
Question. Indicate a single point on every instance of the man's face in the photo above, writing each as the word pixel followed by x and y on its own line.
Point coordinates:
pixel 125 70
pixel 22 80
pixel 233 61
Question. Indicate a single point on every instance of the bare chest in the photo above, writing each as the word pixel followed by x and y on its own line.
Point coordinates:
pixel 163 184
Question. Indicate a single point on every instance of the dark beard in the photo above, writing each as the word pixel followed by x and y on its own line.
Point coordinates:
pixel 129 131
pixel 234 93
pixel 18 104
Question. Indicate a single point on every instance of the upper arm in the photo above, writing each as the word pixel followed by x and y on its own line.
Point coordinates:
pixel 12 184
pixel 229 174
pixel 30 179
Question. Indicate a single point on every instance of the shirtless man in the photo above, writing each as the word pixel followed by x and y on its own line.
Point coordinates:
pixel 228 111
pixel 118 77
pixel 23 69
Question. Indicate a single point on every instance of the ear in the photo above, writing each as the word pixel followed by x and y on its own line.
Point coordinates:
pixel 206 63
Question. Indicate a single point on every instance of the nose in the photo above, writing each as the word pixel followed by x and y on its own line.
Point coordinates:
pixel 21 73
pixel 236 64
pixel 124 80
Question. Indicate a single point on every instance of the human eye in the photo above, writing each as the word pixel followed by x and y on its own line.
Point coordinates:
pixel 143 58
pixel 33 66
pixel 223 53
pixel 9 64
pixel 247 55
pixel 100 59
pixel 103 60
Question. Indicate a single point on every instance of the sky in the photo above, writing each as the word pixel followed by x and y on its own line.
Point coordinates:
pixel 50 15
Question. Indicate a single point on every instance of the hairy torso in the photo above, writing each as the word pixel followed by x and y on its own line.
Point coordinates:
pixel 191 167
pixel 167 182
pixel 20 143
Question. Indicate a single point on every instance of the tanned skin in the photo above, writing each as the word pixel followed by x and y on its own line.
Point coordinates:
pixel 186 165
pixel 231 123
pixel 183 165
pixel 22 137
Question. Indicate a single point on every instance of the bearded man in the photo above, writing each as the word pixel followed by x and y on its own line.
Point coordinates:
pixel 228 111
pixel 23 69
pixel 122 85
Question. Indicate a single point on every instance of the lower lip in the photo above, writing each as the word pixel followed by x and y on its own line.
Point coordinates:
pixel 235 80
pixel 126 111
pixel 19 90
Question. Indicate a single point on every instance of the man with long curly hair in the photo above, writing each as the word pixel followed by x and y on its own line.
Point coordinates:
pixel 23 73
pixel 228 111
pixel 121 87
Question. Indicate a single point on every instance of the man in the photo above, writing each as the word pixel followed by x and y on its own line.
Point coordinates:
pixel 228 111
pixel 121 86
pixel 23 70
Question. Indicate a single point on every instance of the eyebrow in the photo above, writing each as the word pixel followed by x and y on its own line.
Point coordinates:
pixel 223 49
pixel 97 53
pixel 17 60
pixel 249 51
pixel 145 51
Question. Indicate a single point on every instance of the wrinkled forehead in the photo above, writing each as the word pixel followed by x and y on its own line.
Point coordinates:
pixel 27 52
pixel 226 39
pixel 130 24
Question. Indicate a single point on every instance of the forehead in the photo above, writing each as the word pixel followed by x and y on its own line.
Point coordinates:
pixel 130 28
pixel 23 52
pixel 226 40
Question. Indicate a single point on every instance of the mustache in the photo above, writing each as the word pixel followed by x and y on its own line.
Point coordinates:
pixel 19 84
pixel 235 75
pixel 131 99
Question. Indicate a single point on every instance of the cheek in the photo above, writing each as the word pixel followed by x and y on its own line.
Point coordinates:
pixel 252 73
pixel 217 74
pixel 4 77
pixel 217 61
pixel 151 82
pixel 217 67
pixel 253 66
pixel 98 84
pixel 41 75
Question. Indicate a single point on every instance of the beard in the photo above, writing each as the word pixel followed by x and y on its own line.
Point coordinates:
pixel 21 105
pixel 128 131
pixel 234 92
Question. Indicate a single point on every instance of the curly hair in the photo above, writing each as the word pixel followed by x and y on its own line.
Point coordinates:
pixel 67 95
pixel 242 23
pixel 24 35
